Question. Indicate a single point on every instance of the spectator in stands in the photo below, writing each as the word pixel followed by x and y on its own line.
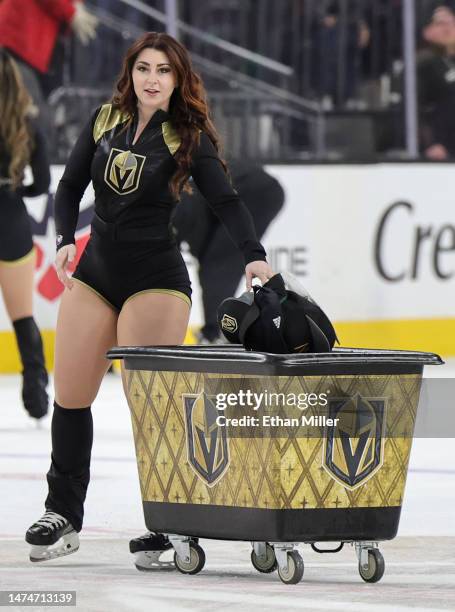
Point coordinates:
pixel 29 30
pixel 333 85
pixel 436 80
pixel 119 24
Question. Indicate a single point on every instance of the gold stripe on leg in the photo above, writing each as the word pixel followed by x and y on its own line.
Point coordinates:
pixel 173 292
pixel 96 293
pixel 21 260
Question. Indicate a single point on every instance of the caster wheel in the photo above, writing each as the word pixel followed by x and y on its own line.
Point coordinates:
pixel 196 562
pixel 376 566
pixel 267 565
pixel 294 571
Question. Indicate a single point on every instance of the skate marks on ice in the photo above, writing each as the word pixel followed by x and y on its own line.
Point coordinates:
pixel 420 575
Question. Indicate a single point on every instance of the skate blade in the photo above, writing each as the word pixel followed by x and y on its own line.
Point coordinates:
pixel 67 545
pixel 148 561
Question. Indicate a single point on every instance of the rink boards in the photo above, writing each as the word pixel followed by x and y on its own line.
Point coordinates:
pixel 375 244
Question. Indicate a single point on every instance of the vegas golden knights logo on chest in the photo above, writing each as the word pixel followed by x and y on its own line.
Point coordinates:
pixel 123 171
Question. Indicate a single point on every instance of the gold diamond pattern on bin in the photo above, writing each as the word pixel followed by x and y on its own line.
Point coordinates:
pixel 269 472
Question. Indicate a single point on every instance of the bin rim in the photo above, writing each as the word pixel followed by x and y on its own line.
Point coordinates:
pixel 232 353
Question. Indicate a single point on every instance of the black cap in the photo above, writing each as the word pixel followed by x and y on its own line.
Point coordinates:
pixel 273 319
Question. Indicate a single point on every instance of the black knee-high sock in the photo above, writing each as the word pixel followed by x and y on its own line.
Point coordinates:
pixel 69 474
pixel 34 372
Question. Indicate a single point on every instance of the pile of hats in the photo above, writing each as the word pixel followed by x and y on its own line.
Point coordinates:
pixel 274 319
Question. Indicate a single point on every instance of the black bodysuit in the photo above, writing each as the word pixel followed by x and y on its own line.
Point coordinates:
pixel 131 248
pixel 16 241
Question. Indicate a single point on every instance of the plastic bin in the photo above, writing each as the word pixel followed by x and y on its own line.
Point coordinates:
pixel 297 481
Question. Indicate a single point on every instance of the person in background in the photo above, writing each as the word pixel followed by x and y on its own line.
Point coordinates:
pixel 29 29
pixel 21 143
pixel 220 266
pixel 337 88
pixel 436 86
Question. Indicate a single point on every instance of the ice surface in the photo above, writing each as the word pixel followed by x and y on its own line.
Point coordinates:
pixel 420 562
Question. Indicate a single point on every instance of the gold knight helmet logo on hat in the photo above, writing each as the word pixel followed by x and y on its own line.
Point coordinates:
pixel 229 324
pixel 123 171
pixel 207 444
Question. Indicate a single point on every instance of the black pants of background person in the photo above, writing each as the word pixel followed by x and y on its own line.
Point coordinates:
pixel 221 265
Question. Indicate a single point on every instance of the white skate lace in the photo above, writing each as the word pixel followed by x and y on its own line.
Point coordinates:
pixel 52 519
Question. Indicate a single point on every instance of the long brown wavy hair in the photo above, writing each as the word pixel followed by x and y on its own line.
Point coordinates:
pixel 188 108
pixel 15 108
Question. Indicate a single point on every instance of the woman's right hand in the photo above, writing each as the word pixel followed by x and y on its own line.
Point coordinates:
pixel 65 256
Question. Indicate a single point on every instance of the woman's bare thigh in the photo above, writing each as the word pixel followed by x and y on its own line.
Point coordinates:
pixel 86 329
pixel 152 319
pixel 16 282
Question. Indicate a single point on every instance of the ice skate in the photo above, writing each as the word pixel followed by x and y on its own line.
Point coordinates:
pixel 147 550
pixel 51 537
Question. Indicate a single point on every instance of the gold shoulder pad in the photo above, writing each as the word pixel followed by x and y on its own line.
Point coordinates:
pixel 171 137
pixel 107 119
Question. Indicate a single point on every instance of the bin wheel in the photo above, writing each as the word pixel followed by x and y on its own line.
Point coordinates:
pixel 376 566
pixel 196 562
pixel 267 565
pixel 294 571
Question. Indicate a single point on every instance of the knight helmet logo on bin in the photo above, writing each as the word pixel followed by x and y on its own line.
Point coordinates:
pixel 279 317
